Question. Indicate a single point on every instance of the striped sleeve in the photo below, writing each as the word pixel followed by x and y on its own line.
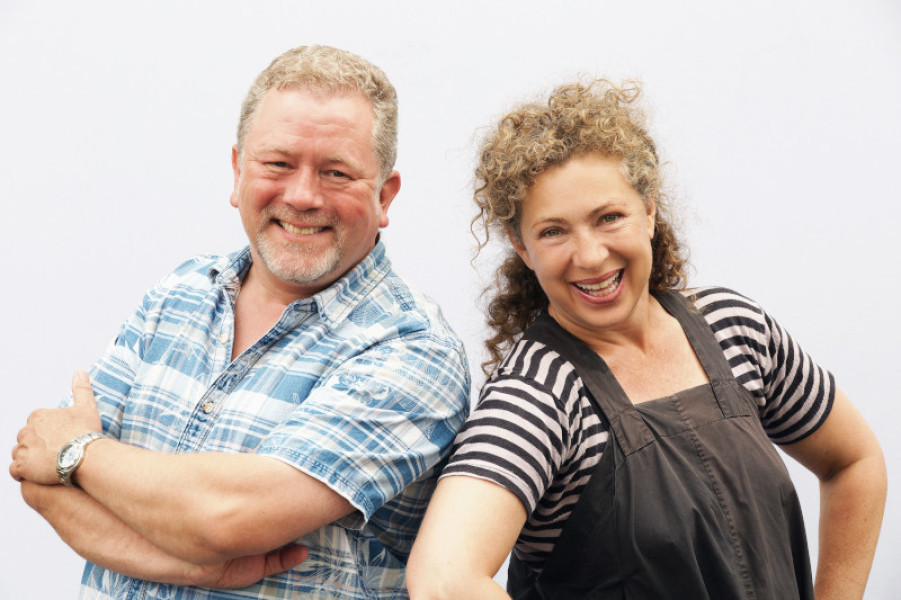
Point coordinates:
pixel 519 435
pixel 794 394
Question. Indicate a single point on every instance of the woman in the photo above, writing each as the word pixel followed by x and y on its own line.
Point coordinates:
pixel 623 447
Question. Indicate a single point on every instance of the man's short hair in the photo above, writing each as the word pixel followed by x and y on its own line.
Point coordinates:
pixel 330 70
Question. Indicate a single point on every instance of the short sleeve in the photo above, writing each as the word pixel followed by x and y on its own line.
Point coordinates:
pixel 520 434
pixel 799 392
pixel 380 421
pixel 793 393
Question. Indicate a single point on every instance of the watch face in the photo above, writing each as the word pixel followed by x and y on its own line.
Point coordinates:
pixel 69 457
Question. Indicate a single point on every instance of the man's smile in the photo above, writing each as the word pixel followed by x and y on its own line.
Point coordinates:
pixel 300 230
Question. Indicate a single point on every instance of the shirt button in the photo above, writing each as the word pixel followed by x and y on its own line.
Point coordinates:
pixel 223 338
pixel 207 407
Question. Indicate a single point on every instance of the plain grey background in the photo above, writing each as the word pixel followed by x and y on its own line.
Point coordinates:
pixel 779 120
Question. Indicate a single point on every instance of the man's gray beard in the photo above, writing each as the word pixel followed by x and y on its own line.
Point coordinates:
pixel 308 268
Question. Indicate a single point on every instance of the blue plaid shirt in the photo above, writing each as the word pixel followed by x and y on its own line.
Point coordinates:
pixel 363 386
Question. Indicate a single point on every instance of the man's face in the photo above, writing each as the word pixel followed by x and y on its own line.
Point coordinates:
pixel 306 186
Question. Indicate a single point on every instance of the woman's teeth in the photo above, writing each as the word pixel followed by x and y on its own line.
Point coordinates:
pixel 601 288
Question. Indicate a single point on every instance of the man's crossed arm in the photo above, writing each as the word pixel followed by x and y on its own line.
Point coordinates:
pixel 208 519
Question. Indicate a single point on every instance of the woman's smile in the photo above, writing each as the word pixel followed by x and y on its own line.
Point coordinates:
pixel 604 288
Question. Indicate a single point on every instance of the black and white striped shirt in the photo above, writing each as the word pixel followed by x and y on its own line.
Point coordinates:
pixel 536 433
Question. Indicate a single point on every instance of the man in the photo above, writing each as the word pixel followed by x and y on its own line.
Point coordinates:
pixel 295 392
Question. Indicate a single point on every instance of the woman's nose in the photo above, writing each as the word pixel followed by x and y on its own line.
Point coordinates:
pixel 590 252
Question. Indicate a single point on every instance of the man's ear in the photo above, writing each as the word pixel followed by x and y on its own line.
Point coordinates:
pixel 236 169
pixel 386 196
pixel 520 248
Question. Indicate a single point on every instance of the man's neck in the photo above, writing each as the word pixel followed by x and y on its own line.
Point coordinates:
pixel 258 307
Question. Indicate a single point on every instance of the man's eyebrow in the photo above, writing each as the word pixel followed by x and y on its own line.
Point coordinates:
pixel 350 161
pixel 273 149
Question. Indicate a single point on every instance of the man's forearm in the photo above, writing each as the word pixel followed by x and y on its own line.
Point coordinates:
pixel 207 508
pixel 102 538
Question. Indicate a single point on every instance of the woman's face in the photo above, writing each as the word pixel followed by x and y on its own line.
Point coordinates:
pixel 586 233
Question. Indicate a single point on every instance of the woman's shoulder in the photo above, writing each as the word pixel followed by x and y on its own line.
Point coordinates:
pixel 728 312
pixel 709 299
pixel 533 365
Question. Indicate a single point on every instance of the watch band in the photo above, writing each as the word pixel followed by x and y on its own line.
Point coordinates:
pixel 71 455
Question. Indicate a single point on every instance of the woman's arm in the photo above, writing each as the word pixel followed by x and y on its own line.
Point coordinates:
pixel 846 457
pixel 469 529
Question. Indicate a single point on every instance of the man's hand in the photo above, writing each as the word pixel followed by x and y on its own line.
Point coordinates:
pixel 247 570
pixel 45 432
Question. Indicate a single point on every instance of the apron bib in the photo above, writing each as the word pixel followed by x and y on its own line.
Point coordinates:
pixel 690 499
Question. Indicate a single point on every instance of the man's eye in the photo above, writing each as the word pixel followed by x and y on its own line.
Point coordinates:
pixel 278 164
pixel 336 173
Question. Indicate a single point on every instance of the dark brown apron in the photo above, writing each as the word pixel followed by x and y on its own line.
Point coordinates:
pixel 690 499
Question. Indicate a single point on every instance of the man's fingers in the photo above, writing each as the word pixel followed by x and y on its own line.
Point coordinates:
pixel 285 558
pixel 82 391
pixel 14 466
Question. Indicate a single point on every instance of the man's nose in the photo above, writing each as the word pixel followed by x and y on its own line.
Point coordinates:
pixel 303 190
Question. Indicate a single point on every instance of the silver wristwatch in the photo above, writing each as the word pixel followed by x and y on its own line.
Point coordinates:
pixel 71 455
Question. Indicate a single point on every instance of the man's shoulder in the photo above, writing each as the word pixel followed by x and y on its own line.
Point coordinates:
pixel 202 270
pixel 379 304
pixel 394 303
pixel 192 280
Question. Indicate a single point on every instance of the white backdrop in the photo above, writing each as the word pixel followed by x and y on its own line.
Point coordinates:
pixel 780 120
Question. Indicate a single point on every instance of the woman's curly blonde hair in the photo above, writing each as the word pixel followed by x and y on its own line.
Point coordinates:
pixel 577 119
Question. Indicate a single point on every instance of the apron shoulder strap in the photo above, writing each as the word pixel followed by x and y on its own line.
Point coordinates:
pixel 608 397
pixel 707 349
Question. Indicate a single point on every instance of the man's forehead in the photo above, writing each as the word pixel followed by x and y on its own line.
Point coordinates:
pixel 325 96
pixel 303 106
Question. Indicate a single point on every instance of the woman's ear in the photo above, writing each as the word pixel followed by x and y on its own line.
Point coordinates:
pixel 651 208
pixel 520 248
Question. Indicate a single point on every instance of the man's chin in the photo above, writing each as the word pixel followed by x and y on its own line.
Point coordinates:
pixel 317 274
pixel 294 264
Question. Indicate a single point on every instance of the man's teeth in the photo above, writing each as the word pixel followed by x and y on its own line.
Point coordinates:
pixel 300 230
pixel 602 287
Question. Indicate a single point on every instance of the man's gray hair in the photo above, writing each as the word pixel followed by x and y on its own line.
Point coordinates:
pixel 330 70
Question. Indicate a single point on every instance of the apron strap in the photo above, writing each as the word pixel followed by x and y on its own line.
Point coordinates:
pixel 707 349
pixel 629 428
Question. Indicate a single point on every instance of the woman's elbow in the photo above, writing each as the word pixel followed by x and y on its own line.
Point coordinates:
pixel 428 581
pixel 419 584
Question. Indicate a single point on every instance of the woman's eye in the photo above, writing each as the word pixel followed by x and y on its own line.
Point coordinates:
pixel 550 233
pixel 611 218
